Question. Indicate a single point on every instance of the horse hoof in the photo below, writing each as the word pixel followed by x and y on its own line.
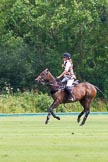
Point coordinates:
pixel 46 122
pixel 78 120
pixel 81 124
pixel 58 117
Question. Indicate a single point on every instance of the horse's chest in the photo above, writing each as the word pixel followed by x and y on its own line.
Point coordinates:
pixel 58 95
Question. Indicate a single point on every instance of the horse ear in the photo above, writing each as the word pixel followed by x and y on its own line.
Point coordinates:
pixel 47 69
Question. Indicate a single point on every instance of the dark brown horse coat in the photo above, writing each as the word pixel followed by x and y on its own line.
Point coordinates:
pixel 83 92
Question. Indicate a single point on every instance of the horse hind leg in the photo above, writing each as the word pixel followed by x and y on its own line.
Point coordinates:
pixel 86 104
pixel 85 118
pixel 79 116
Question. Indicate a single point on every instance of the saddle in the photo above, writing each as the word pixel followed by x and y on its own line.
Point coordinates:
pixel 76 82
pixel 62 86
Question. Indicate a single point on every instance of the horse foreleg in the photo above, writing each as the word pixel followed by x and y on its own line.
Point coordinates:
pixel 85 118
pixel 54 115
pixel 50 111
pixel 48 117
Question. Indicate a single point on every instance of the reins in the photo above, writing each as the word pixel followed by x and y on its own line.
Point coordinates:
pixel 51 81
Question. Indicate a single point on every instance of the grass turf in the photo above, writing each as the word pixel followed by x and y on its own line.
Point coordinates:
pixel 28 139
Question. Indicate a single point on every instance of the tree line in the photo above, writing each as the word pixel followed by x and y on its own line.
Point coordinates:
pixel 34 34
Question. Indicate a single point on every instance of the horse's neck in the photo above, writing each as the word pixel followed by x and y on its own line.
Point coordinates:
pixel 51 77
pixel 52 80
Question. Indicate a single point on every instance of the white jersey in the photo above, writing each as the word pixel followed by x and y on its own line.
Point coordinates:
pixel 69 76
pixel 68 66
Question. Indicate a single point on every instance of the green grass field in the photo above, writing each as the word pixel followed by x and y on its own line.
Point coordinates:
pixel 28 139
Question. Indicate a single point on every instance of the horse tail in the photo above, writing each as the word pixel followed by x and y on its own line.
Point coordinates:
pixel 105 99
pixel 99 90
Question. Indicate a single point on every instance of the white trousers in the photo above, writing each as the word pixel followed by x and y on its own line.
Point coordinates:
pixel 69 81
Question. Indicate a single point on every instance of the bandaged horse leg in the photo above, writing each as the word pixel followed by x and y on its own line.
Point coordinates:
pixel 85 117
pixel 79 116
pixel 86 105
pixel 50 111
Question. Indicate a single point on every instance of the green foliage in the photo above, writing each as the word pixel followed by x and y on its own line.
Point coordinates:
pixel 34 35
pixel 30 102
pixel 44 102
pixel 24 102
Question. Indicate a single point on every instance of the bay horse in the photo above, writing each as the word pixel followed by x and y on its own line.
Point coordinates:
pixel 83 92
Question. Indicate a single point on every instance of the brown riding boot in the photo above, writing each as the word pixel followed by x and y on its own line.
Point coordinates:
pixel 71 97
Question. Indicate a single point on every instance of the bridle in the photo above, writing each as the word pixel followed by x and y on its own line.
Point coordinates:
pixel 42 78
pixel 54 83
pixel 43 81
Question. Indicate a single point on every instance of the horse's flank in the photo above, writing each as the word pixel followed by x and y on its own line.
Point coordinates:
pixel 84 89
pixel 79 91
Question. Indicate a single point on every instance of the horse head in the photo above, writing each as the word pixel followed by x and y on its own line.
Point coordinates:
pixel 43 76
